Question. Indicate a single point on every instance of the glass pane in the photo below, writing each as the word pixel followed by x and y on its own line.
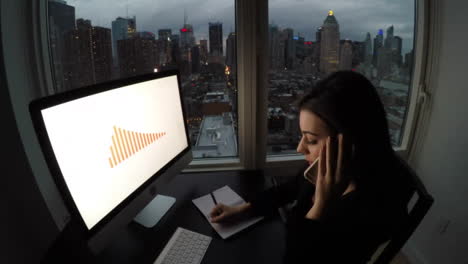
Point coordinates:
pixel 97 41
pixel 309 40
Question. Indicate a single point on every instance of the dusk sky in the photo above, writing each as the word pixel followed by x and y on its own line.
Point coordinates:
pixel 355 18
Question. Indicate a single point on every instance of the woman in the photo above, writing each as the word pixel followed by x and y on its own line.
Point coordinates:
pixel 350 206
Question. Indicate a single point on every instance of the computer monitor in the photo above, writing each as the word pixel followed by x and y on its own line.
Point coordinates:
pixel 110 146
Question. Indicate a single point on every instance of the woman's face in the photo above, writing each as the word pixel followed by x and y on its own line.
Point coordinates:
pixel 314 132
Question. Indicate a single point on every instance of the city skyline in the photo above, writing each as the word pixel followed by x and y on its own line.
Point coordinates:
pixel 355 19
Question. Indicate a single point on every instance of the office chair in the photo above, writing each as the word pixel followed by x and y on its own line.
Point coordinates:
pixel 388 250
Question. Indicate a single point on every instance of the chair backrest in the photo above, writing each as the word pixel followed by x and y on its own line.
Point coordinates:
pixel 416 214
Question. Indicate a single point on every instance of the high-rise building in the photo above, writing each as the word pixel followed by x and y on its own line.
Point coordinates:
pixel 274 45
pixel 368 48
pixel 61 21
pixel 231 51
pixel 290 48
pixel 346 55
pixel 137 55
pixel 187 39
pixel 389 38
pixel 88 55
pixel 397 45
pixel 216 38
pixel 102 53
pixel 165 34
pixel 378 43
pixel 164 47
pixel 195 58
pixel 330 45
pixel 317 48
pixel 204 50
pixel 122 28
pixel 175 48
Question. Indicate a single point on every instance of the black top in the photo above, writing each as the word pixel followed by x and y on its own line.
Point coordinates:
pixel 351 233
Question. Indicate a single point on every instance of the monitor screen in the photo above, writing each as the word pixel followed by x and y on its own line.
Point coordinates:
pixel 109 143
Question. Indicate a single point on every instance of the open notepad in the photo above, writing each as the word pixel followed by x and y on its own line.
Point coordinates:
pixel 227 196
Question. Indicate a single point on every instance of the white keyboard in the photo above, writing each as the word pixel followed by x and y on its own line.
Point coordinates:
pixel 185 246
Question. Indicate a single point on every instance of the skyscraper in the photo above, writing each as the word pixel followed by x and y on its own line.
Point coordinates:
pixel 216 38
pixel 273 42
pixel 397 44
pixel 87 55
pixel 389 38
pixel 290 48
pixel 187 39
pixel 164 49
pixel 368 48
pixel 61 21
pixel 203 50
pixel 122 28
pixel 346 56
pixel 137 55
pixel 378 43
pixel 329 45
pixel 231 51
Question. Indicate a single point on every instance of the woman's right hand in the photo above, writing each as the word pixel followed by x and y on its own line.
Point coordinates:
pixel 222 212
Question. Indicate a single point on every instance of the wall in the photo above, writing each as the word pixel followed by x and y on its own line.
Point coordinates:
pixel 442 161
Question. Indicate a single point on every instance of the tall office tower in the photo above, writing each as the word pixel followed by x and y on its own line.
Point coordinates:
pixel 368 49
pixel 346 55
pixel 389 38
pixel 165 34
pixel 61 21
pixel 78 67
pixel 290 48
pixel 359 51
pixel 187 40
pixel 282 39
pixel 216 38
pixel 122 28
pixel 203 50
pixel 317 47
pixel 137 55
pixel 330 45
pixel 378 43
pixel 409 57
pixel 102 53
pixel 299 56
pixel 273 42
pixel 231 51
pixel 195 58
pixel 164 47
pixel 397 45
pixel 175 48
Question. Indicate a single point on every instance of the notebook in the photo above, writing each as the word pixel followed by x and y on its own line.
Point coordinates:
pixel 227 196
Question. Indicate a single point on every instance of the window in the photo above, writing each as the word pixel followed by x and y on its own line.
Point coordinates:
pixel 310 39
pixel 98 41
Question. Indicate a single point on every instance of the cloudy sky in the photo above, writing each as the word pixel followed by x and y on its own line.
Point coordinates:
pixel 355 17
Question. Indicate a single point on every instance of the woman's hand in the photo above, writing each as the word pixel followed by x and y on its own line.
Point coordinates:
pixel 223 213
pixel 331 181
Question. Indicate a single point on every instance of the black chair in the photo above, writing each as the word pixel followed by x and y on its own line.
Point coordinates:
pixel 388 250
pixel 416 214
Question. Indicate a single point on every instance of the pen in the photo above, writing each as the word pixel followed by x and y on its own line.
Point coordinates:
pixel 214 199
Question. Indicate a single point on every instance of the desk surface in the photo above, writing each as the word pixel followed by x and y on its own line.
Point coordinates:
pixel 263 242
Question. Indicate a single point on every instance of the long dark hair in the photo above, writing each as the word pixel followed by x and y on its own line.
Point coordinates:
pixel 349 103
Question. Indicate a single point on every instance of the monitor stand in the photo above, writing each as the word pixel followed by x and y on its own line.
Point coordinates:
pixel 154 211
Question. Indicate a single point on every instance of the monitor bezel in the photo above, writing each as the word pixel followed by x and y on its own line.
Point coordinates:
pixel 35 108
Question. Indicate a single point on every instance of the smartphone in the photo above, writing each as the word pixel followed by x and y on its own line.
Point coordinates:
pixel 310 173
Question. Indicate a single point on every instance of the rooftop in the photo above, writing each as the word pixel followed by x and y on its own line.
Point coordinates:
pixel 217 137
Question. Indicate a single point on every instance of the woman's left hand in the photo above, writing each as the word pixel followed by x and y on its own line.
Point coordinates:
pixel 331 181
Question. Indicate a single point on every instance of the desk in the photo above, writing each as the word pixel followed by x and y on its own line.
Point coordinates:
pixel 263 242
